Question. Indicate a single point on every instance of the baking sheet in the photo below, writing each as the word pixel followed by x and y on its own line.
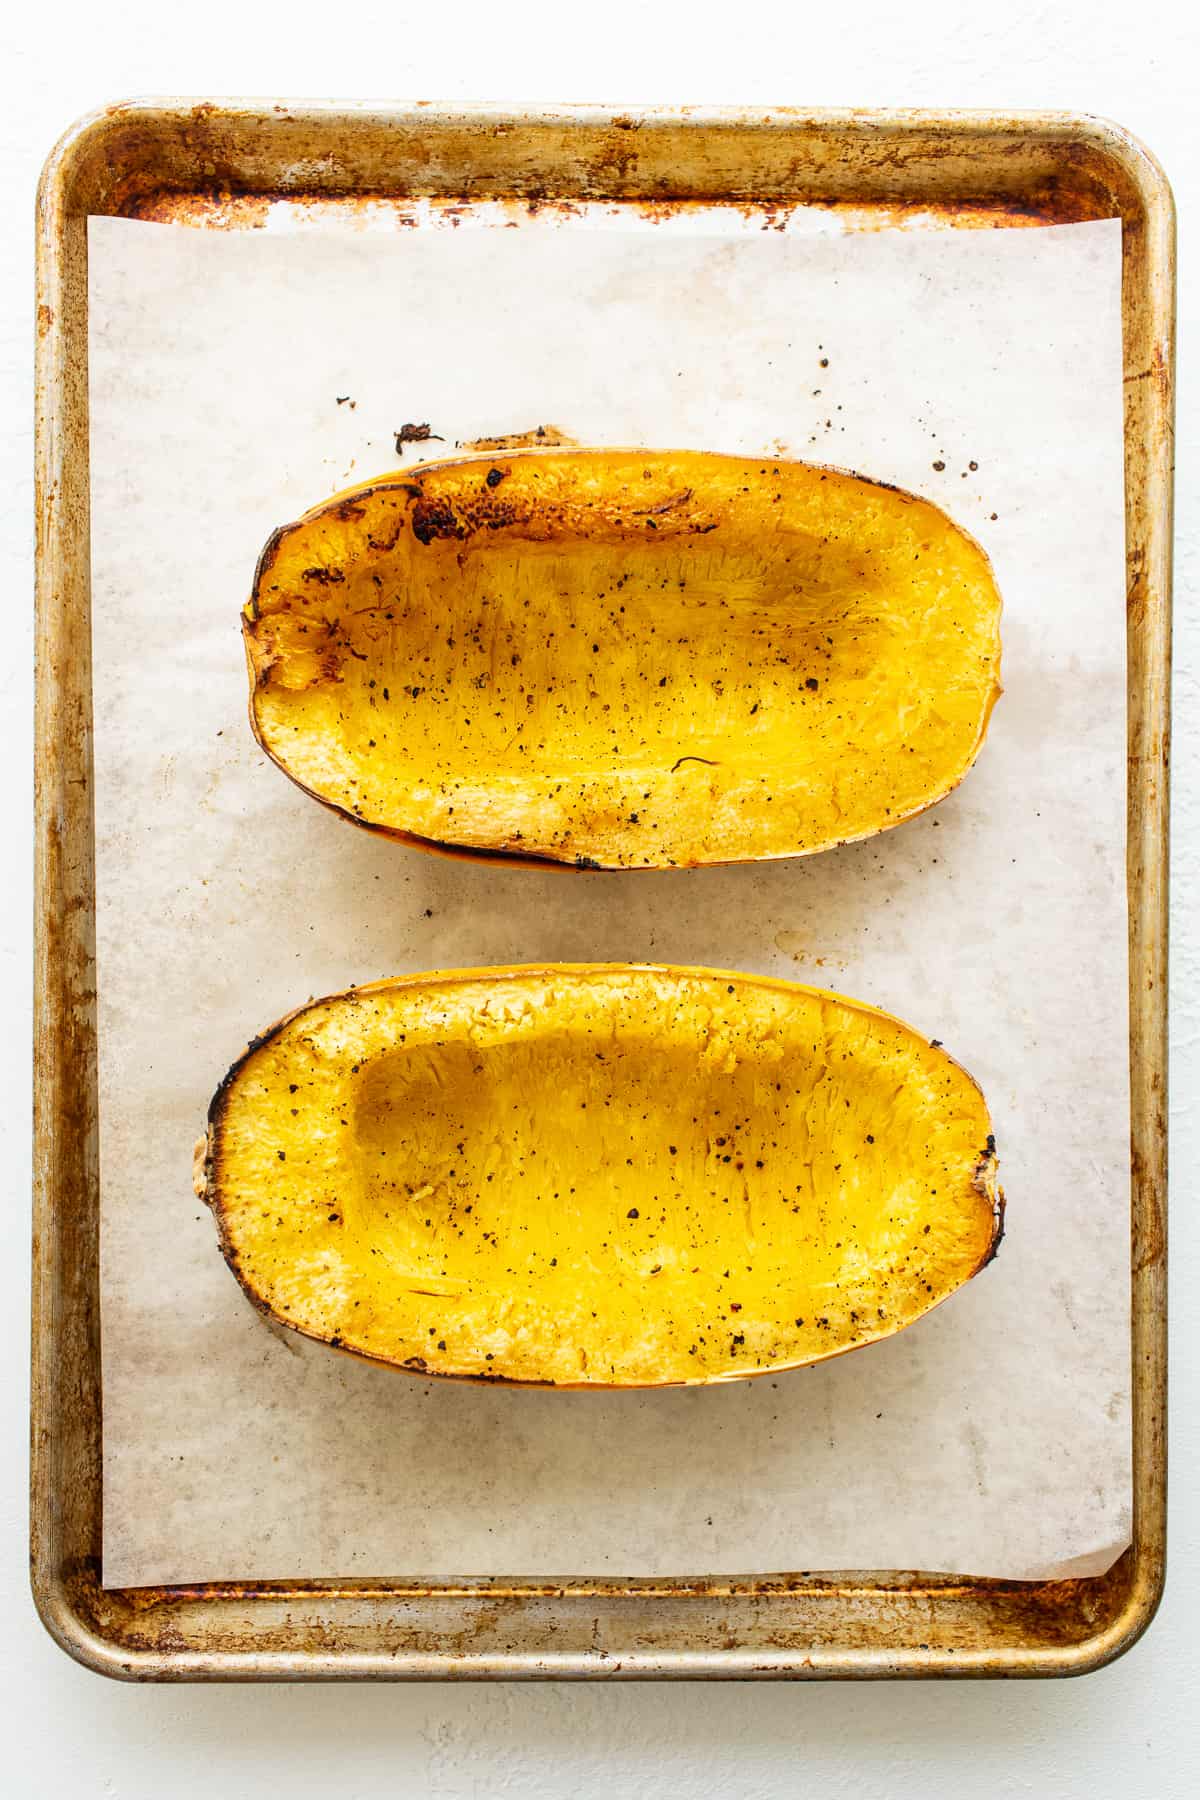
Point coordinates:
pixel 994 1436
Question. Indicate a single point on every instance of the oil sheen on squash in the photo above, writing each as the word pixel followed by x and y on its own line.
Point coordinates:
pixel 603 1175
pixel 624 659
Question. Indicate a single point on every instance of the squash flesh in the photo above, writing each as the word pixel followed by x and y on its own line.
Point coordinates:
pixel 627 659
pixel 601 1176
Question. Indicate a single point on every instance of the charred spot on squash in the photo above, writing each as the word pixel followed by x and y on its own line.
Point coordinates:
pixel 436 519
pixel 999 1209
pixel 605 1175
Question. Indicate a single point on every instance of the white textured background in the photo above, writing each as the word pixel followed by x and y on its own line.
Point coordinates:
pixel 1127 1731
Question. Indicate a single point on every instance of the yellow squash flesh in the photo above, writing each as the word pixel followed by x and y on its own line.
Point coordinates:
pixel 624 659
pixel 602 1175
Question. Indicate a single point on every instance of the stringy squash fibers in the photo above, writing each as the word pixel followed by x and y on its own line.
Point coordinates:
pixel 623 658
pixel 603 1175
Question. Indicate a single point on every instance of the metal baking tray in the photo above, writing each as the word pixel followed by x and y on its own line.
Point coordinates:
pixel 217 165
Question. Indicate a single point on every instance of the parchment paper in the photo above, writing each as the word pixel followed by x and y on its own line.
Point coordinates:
pixel 237 378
